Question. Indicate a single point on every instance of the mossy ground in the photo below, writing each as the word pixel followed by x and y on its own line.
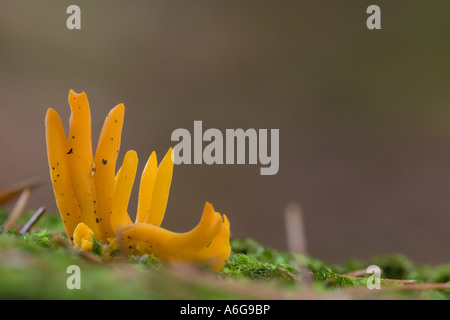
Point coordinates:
pixel 34 265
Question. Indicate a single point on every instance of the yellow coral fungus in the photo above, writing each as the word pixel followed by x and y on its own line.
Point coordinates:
pixel 93 199
pixel 82 237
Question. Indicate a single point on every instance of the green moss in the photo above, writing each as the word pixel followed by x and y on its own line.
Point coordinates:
pixel 262 253
pixel 33 266
pixel 434 274
pixel 42 238
pixel 241 265
pixel 29 241
pixel 336 280
pixel 393 266
pixel 148 261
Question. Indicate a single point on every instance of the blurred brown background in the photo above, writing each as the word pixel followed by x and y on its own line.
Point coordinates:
pixel 364 116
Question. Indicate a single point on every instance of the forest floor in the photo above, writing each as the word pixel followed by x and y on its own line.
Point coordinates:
pixel 34 265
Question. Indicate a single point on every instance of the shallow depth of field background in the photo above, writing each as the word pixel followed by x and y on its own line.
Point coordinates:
pixel 364 116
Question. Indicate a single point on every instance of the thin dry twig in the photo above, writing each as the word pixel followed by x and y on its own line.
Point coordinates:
pixel 10 192
pixel 295 230
pixel 18 209
pixel 359 274
pixel 419 287
pixel 365 293
pixel 289 275
pixel 405 282
pixel 356 273
pixel 30 223
pixel 296 240
pixel 398 281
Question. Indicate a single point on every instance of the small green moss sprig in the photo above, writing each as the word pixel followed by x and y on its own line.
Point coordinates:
pixel 97 247
pixel 31 241
pixel 147 261
pixel 330 278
